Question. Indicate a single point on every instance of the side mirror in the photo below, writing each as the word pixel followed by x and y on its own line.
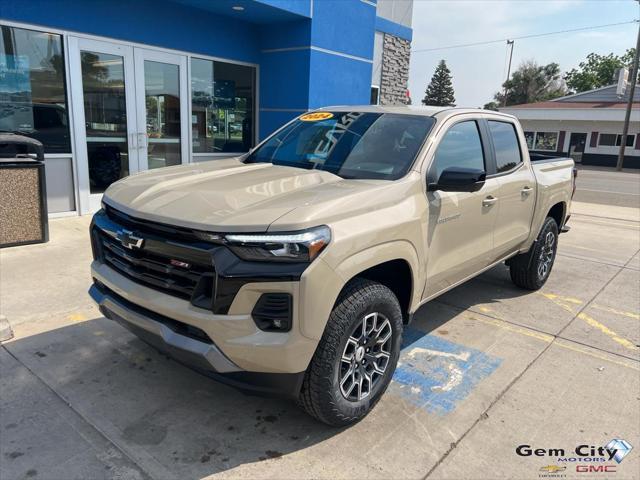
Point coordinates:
pixel 456 179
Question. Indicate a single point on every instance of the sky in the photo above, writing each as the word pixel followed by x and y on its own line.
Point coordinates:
pixel 479 71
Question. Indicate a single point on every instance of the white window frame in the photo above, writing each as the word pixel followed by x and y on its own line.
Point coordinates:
pixel 618 140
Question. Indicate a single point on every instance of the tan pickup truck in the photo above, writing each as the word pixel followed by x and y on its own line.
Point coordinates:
pixel 292 270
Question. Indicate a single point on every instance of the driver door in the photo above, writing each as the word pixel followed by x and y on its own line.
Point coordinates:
pixel 459 224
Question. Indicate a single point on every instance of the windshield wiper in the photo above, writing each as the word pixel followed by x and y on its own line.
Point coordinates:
pixel 16 132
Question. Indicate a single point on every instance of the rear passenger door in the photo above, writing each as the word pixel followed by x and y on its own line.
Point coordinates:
pixel 517 188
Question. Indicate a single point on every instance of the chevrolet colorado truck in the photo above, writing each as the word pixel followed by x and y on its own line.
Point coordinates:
pixel 291 270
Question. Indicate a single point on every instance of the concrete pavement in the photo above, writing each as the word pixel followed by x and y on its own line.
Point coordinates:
pixel 484 368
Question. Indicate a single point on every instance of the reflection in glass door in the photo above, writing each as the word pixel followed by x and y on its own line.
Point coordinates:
pixel 162 105
pixel 162 112
pixel 104 116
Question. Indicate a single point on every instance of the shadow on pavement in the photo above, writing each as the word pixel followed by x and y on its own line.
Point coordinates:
pixel 489 288
pixel 170 419
pixel 183 423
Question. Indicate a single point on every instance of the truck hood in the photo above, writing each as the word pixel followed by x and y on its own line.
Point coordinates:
pixel 224 195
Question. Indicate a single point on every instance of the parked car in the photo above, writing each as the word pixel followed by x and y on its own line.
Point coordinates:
pixel 292 269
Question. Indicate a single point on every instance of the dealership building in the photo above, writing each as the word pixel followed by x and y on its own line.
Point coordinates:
pixel 113 87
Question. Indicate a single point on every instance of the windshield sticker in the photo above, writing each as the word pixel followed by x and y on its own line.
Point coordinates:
pixel 316 116
pixel 331 138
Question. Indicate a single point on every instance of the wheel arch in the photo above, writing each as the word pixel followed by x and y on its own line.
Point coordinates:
pixel 397 276
pixel 558 213
pixel 393 264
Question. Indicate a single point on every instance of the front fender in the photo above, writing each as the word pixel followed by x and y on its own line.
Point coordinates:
pixel 320 286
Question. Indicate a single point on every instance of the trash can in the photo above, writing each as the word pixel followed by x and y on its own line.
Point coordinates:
pixel 23 196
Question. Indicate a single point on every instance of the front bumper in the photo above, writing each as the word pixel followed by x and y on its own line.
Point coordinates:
pixel 161 331
pixel 191 346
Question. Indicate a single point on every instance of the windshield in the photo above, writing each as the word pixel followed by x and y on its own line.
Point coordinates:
pixel 358 145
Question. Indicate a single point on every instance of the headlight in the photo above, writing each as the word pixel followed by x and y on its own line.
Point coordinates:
pixel 301 246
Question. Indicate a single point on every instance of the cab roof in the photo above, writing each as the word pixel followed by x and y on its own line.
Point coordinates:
pixel 427 111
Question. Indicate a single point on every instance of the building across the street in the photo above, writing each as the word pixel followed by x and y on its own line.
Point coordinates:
pixel 113 87
pixel 587 126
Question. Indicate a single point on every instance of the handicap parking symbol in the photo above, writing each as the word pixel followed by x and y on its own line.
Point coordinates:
pixel 436 374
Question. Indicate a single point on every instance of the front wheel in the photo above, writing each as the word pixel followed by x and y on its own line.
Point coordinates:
pixel 531 270
pixel 356 357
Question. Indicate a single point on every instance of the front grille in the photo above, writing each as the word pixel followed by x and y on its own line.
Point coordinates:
pixel 152 270
pixel 181 269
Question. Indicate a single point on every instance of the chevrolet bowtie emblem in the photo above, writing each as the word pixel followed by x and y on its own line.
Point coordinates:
pixel 128 239
pixel 552 469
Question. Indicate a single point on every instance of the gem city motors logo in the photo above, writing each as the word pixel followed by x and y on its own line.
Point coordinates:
pixel 616 450
pixel 588 458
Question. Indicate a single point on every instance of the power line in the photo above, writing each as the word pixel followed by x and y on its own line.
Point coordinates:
pixel 502 40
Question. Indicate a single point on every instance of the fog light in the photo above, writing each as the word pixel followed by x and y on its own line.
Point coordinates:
pixel 272 312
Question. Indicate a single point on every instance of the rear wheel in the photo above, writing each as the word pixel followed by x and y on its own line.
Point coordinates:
pixel 356 356
pixel 531 270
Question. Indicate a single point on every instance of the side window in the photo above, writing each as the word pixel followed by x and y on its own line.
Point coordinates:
pixel 460 147
pixel 505 142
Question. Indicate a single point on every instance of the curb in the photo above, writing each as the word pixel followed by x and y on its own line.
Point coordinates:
pixel 6 333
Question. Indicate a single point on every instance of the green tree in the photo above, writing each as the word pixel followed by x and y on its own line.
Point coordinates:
pixel 597 71
pixel 493 105
pixel 531 83
pixel 440 91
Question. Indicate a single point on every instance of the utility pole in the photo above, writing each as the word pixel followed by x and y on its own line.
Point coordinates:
pixel 627 116
pixel 506 90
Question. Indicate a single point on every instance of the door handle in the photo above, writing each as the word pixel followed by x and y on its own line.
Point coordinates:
pixel 490 200
pixel 526 190
pixel 143 140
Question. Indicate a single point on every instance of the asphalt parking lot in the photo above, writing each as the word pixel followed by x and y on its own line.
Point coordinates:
pixel 485 368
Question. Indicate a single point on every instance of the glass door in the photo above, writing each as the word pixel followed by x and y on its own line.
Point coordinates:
pixel 105 116
pixel 162 108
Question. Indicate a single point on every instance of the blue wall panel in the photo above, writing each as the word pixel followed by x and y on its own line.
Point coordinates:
pixel 285 35
pixel 344 26
pixel 336 80
pixel 284 79
pixel 151 22
pixel 284 84
pixel 299 7
pixel 271 121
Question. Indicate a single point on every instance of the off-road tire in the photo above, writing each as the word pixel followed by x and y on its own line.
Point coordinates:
pixel 321 395
pixel 525 268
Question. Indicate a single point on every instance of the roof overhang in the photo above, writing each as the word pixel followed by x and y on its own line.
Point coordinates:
pixel 254 11
pixel 573 114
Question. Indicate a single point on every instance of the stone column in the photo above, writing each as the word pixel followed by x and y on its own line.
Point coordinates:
pixel 395 70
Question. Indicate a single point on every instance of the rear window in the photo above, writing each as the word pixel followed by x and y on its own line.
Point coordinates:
pixel 505 142
pixel 357 145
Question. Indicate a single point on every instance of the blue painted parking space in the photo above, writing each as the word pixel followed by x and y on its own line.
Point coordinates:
pixel 436 374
